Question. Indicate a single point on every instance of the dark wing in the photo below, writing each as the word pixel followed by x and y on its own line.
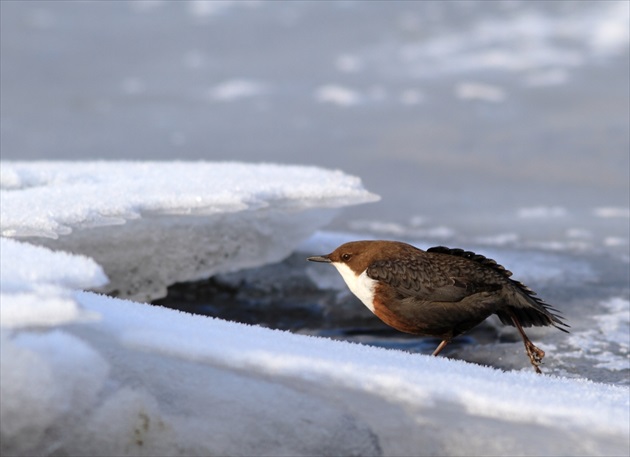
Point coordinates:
pixel 522 303
pixel 419 277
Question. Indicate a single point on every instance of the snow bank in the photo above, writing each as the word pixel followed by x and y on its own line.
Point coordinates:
pixel 150 224
pixel 154 381
pixel 37 284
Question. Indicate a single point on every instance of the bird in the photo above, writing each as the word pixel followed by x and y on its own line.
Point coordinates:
pixel 441 292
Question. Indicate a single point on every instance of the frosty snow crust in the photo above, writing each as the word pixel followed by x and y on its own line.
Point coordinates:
pixel 36 194
pixel 37 284
pixel 151 224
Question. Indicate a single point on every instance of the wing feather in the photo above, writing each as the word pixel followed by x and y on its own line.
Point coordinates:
pixel 529 309
pixel 420 278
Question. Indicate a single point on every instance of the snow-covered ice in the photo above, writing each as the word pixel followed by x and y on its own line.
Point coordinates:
pixel 476 91
pixel 614 321
pixel 128 216
pixel 36 284
pixel 88 374
pixel 182 384
pixel 235 89
pixel 337 95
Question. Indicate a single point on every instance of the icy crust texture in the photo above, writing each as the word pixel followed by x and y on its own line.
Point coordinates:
pixel 37 284
pixel 151 224
pixel 153 381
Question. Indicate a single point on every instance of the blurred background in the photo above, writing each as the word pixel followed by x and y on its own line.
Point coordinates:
pixel 504 121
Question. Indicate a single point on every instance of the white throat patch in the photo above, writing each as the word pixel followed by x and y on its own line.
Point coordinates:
pixel 362 286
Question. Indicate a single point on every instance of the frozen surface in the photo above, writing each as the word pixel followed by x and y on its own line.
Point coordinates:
pixel 157 381
pixel 37 284
pixel 607 340
pixel 36 193
pixel 151 224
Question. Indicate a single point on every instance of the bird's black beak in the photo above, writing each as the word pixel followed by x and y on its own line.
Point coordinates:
pixel 319 258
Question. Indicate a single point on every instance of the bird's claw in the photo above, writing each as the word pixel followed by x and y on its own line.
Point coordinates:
pixel 535 355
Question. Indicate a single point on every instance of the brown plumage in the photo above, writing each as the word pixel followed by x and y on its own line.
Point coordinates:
pixel 440 292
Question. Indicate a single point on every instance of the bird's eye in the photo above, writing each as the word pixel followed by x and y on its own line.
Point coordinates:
pixel 345 257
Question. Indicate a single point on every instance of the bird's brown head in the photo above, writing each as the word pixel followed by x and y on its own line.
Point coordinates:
pixel 358 255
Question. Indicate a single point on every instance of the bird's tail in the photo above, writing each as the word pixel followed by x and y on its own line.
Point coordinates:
pixel 533 312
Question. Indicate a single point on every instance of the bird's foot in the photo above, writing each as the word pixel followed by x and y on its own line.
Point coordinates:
pixel 535 355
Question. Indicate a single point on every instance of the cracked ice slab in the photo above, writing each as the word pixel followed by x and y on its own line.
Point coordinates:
pixel 151 224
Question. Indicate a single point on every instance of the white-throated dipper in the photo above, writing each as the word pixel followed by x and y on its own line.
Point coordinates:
pixel 440 292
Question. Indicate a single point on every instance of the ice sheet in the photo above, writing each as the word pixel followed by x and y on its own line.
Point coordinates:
pixel 150 224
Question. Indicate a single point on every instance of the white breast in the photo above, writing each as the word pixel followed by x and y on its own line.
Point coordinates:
pixel 362 286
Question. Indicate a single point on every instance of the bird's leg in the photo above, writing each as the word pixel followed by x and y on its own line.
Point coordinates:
pixel 535 354
pixel 440 347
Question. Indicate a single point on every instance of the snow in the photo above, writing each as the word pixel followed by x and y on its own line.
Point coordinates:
pixel 236 89
pixel 50 381
pixel 477 91
pixel 612 212
pixel 37 284
pixel 348 63
pixel 520 43
pixel 86 374
pixel 338 95
pixel 395 229
pixel 551 77
pixel 165 188
pixel 170 221
pixel 612 34
pixel 411 97
pixel 162 382
pixel 541 212
pixel 614 322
